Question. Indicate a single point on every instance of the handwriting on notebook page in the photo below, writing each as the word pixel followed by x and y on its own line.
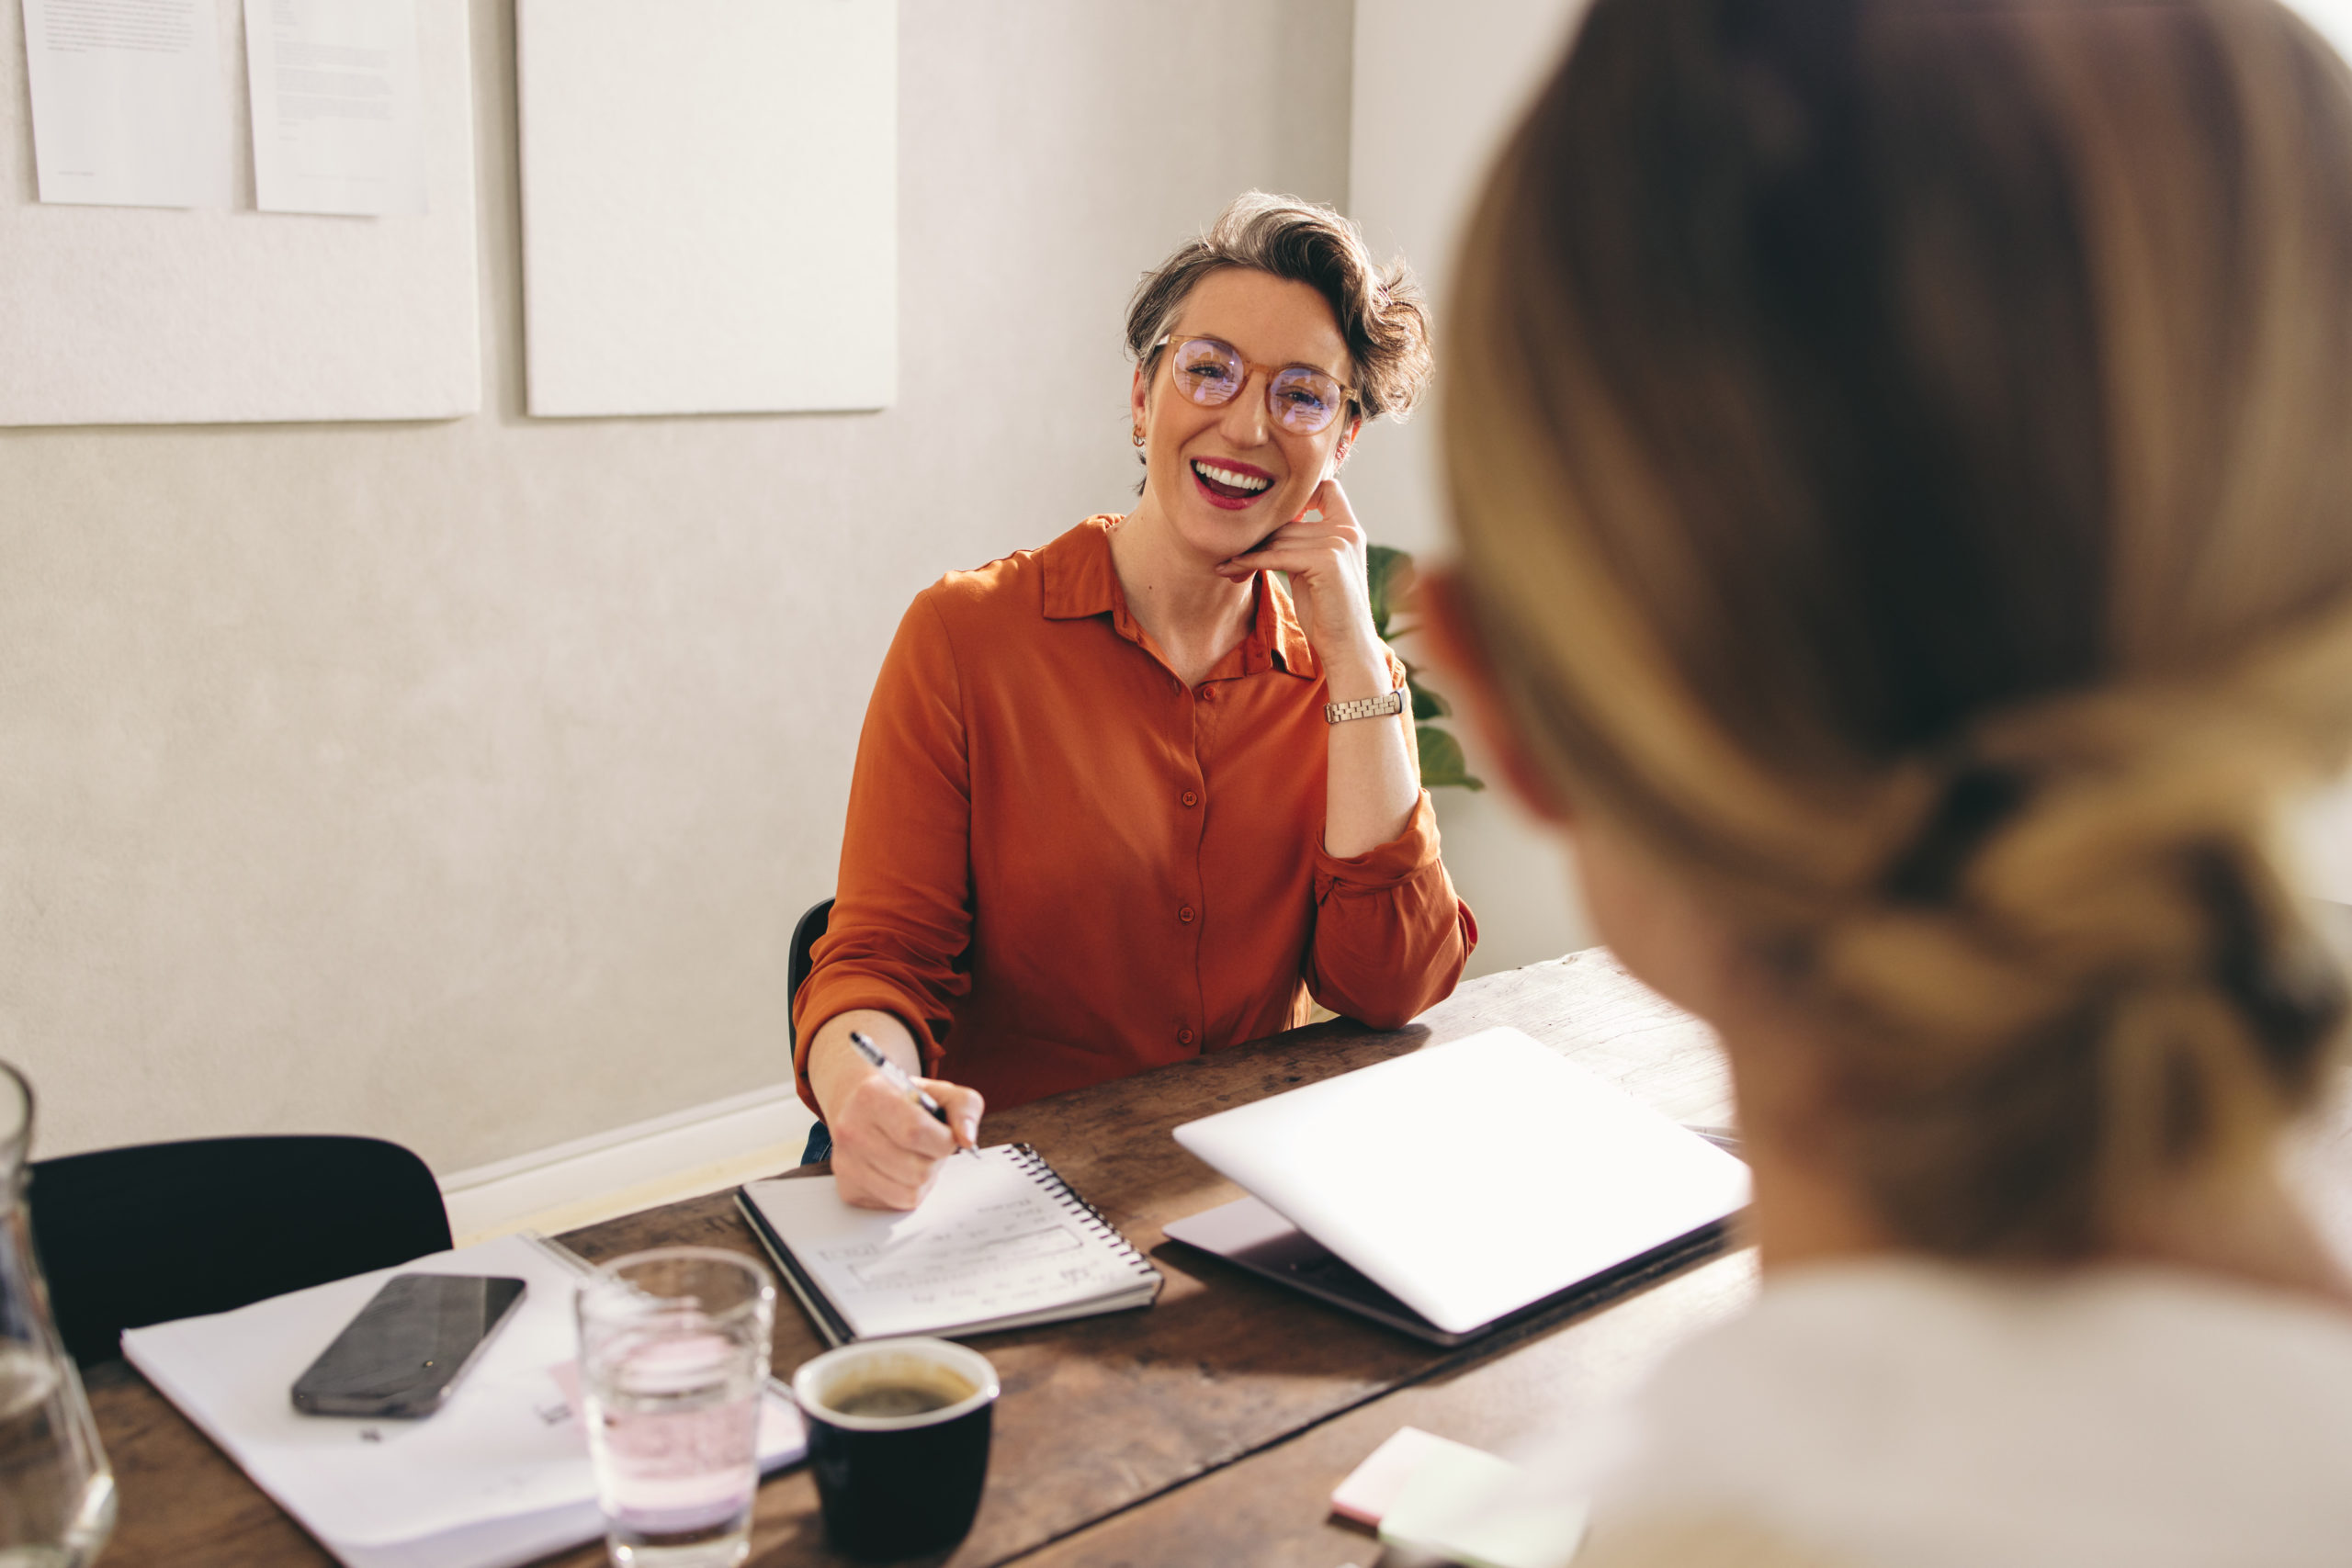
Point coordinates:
pixel 987 1239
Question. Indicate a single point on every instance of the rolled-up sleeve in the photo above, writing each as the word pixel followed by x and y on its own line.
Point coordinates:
pixel 1390 935
pixel 902 916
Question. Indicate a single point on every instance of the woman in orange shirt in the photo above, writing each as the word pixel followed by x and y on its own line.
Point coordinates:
pixel 1123 800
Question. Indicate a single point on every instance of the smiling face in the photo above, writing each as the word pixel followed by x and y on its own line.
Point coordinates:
pixel 1223 477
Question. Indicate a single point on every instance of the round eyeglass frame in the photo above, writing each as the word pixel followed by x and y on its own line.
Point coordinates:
pixel 1277 377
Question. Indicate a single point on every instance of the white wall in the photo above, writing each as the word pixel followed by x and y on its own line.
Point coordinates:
pixel 460 782
pixel 1434 94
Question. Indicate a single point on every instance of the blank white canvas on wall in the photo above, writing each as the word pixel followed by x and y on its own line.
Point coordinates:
pixel 709 205
pixel 118 315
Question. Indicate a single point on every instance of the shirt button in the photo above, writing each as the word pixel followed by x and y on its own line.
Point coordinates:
pixel 1185 914
pixel 1184 1037
pixel 1205 693
pixel 1190 799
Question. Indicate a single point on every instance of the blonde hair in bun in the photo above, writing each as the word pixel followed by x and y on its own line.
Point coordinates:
pixel 1903 455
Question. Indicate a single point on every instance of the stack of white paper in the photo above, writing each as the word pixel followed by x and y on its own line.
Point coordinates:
pixel 499 1475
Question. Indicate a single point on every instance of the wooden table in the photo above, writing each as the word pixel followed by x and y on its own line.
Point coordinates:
pixel 1209 1428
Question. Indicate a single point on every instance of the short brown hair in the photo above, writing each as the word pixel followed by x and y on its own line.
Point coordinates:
pixel 1379 310
pixel 1899 447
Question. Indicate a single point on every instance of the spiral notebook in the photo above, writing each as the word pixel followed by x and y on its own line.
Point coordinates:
pixel 1001 1242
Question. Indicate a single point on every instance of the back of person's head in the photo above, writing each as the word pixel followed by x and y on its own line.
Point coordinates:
pixel 1903 453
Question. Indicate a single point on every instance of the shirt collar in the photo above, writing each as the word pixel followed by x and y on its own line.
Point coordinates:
pixel 1080 581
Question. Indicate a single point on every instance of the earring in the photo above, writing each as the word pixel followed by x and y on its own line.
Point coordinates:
pixel 1138 438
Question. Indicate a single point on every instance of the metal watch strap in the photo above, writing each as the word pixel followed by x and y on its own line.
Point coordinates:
pixel 1365 707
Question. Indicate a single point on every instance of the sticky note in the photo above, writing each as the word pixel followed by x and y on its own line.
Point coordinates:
pixel 1365 1495
pixel 1467 1506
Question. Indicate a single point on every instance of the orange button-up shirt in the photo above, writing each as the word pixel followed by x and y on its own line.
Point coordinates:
pixel 1063 865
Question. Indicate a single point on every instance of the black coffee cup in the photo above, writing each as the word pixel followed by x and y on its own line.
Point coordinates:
pixel 898 1439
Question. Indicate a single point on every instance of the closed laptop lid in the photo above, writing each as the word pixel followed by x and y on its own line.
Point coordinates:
pixel 1472 1178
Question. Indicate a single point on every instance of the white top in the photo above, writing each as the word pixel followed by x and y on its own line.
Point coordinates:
pixel 1916 1414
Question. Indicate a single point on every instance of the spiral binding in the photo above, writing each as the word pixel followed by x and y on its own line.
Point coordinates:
pixel 1062 1193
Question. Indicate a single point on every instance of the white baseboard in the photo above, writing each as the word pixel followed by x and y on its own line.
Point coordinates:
pixel 700 1150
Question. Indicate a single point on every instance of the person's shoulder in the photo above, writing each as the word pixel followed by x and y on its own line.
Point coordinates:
pixel 1930 1312
pixel 1845 1339
pixel 2052 1409
pixel 1010 590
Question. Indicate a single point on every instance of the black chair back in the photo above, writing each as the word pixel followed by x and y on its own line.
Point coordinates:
pixel 137 1235
pixel 795 969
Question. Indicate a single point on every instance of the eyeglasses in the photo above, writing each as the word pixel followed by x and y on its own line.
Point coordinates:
pixel 1210 372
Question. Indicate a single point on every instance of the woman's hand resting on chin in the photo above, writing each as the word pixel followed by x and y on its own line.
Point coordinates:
pixel 1324 551
pixel 1373 784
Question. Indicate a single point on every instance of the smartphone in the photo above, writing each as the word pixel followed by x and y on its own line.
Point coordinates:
pixel 408 1346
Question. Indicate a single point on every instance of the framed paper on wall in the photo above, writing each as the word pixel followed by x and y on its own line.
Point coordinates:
pixel 709 205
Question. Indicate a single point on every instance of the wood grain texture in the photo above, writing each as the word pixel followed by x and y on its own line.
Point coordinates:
pixel 1102 1413
pixel 1274 1507
pixel 179 1499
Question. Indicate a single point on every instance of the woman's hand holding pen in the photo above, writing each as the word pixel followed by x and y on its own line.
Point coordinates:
pixel 887 1150
pixel 886 1147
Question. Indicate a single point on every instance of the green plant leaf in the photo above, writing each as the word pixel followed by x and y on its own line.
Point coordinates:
pixel 1442 760
pixel 1426 703
pixel 1388 577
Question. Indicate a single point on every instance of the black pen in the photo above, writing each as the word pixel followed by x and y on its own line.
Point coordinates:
pixel 898 1080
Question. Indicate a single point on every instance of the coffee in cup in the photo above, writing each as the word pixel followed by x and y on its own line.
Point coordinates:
pixel 898 1440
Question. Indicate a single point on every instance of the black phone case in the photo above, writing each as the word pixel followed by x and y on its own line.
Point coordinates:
pixel 410 1400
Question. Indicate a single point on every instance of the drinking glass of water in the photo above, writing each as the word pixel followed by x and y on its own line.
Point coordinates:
pixel 673 1354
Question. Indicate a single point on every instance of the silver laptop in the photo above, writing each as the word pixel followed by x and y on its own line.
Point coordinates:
pixel 1461 1186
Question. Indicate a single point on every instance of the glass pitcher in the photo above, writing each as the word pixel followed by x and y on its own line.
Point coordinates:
pixel 56 1492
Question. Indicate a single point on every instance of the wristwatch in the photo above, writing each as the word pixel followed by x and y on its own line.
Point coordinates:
pixel 1365 708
